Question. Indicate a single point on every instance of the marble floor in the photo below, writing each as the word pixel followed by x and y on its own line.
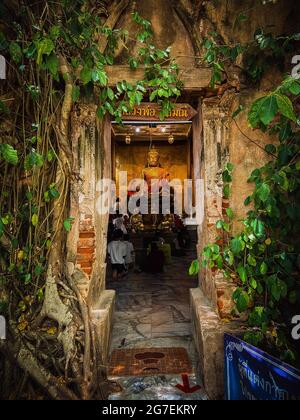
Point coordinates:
pixel 154 311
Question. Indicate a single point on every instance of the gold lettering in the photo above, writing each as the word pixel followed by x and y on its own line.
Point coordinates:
pixel 144 111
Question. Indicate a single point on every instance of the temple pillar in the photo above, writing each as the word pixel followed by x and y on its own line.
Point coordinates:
pixel 87 241
pixel 211 303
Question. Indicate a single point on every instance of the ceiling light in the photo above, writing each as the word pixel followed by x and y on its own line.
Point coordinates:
pixel 171 139
pixel 128 139
pixel 137 130
pixel 164 129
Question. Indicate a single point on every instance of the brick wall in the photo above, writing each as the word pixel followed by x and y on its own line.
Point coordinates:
pixel 86 246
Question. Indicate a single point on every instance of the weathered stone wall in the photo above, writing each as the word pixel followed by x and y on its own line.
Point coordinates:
pixel 169 30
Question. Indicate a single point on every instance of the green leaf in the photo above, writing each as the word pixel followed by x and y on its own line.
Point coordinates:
pixel 53 191
pixel 87 74
pixel 260 288
pixel 194 268
pixel 263 192
pixel 237 246
pixel 32 160
pixel 226 191
pixel 9 154
pixel 248 200
pixel 101 111
pixel 75 93
pixel 242 272
pixel 54 32
pixel 230 167
pixel 50 155
pixel 286 107
pixel 133 62
pixel 264 269
pixel 253 283
pixel 15 52
pixel 230 213
pixel 243 302
pixel 252 260
pixel 110 94
pixel 44 46
pixel 254 113
pixel 40 295
pixel 254 338
pixel 27 279
pixel 68 224
pixel 35 220
pixel 278 290
pixel 99 76
pixel 258 228
pixel 52 64
pixel 227 176
pixel 268 109
pixel 220 224
pixel 294 88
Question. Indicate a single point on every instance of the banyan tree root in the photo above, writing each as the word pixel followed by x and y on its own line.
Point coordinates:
pixel 25 359
pixel 71 324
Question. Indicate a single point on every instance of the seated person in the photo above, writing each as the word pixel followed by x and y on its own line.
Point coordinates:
pixel 117 251
pixel 162 246
pixel 155 260
pixel 184 238
pixel 130 254
pixel 177 250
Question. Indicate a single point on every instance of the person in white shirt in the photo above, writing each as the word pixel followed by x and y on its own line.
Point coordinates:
pixel 130 255
pixel 117 251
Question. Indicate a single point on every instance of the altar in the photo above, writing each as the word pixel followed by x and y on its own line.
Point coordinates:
pixel 157 154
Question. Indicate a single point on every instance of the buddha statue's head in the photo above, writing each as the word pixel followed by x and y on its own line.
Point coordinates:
pixel 153 158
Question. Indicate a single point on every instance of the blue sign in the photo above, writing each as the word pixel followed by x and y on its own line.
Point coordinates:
pixel 251 374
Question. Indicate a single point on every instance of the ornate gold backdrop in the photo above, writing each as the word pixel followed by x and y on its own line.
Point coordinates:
pixel 133 159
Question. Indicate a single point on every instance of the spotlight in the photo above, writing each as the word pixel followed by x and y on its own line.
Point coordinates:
pixel 137 130
pixel 163 129
pixel 128 139
pixel 171 139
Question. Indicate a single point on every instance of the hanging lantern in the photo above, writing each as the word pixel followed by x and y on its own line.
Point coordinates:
pixel 171 139
pixel 128 139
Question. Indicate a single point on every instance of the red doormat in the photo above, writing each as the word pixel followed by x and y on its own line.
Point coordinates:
pixel 146 362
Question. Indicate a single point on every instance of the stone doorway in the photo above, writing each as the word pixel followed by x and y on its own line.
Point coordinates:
pixel 153 311
pixel 209 152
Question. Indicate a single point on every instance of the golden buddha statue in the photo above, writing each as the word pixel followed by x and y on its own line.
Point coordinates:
pixel 155 176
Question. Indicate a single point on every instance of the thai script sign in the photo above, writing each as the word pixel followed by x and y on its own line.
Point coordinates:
pixel 251 374
pixel 150 112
